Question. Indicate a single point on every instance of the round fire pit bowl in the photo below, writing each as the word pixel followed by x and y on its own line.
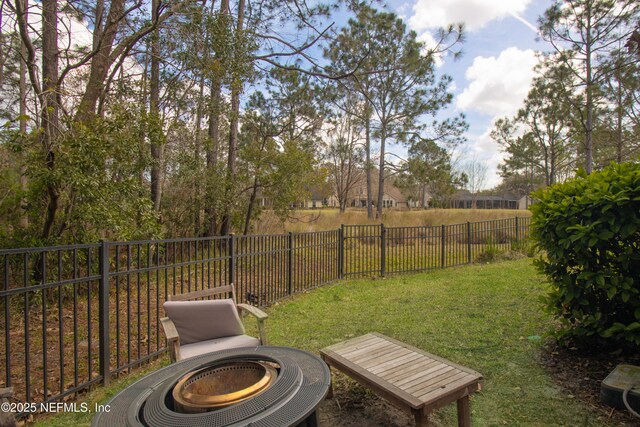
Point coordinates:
pixel 300 381
pixel 215 387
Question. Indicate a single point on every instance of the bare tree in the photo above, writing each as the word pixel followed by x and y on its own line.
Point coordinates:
pixel 345 154
pixel 475 172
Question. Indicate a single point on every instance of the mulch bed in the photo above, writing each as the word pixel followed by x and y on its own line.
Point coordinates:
pixel 581 375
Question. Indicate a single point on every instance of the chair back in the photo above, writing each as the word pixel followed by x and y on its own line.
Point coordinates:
pixel 205 319
pixel 205 293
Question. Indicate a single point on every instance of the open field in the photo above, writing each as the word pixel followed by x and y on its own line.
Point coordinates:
pixel 331 219
pixel 486 317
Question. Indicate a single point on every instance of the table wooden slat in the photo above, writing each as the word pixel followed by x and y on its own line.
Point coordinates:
pixel 434 369
pixel 450 387
pixel 364 348
pixel 406 371
pixel 390 355
pixel 440 380
pixel 404 375
pixel 354 341
pixel 373 355
pixel 383 368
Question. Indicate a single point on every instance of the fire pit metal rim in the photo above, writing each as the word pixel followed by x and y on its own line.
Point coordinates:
pixel 145 403
pixel 189 400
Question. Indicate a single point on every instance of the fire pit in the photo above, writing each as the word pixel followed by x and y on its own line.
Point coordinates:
pixel 258 386
pixel 219 386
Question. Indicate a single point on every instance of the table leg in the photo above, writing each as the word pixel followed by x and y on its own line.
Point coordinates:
pixel 464 412
pixel 330 392
pixel 422 418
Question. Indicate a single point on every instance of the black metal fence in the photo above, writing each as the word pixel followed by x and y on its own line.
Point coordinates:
pixel 73 316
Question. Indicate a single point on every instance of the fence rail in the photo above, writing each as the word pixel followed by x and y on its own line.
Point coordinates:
pixel 76 315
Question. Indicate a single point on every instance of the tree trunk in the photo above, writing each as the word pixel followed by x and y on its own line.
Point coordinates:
pixel 24 219
pixel 154 113
pixel 196 154
pixel 50 107
pixel 619 119
pixel 547 168
pixel 383 137
pixel 3 56
pixel 252 200
pixel 589 95
pixel 552 165
pixel 236 88
pixel 142 102
pixel 213 144
pixel 367 136
pixel 104 37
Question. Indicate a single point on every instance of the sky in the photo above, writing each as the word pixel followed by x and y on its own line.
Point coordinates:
pixel 494 74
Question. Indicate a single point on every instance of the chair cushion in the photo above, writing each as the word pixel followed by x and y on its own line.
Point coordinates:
pixel 202 347
pixel 204 320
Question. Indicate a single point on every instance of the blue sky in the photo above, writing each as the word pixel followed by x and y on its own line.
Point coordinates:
pixel 494 74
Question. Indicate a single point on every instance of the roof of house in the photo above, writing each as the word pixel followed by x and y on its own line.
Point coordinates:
pixel 389 189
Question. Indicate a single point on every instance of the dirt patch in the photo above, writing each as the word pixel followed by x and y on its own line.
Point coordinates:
pixel 352 405
pixel 580 376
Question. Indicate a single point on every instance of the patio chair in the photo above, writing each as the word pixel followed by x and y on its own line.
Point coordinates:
pixel 197 327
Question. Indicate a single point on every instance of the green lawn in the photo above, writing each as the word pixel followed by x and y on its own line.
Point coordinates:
pixel 487 317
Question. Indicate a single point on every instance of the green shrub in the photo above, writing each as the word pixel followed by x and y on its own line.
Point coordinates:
pixel 524 246
pixel 589 230
pixel 491 253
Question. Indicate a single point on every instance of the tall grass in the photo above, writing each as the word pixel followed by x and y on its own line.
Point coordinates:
pixel 307 220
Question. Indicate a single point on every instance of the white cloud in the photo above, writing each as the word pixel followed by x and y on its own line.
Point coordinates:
pixel 498 85
pixel 474 13
pixel 430 43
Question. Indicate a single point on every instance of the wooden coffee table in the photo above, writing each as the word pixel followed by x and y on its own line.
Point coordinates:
pixel 415 381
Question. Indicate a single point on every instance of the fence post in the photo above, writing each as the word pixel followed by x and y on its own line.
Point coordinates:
pixel 341 252
pixel 383 251
pixel 468 242
pixel 103 313
pixel 290 266
pixel 517 230
pixel 232 259
pixel 442 245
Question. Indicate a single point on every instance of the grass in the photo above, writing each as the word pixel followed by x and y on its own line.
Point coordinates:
pixel 98 396
pixel 307 220
pixel 487 317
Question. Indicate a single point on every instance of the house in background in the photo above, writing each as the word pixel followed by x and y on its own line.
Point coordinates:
pixel 463 199
pixel 318 199
pixel 525 202
pixel 392 197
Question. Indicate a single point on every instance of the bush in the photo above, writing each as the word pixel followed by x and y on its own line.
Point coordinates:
pixel 589 230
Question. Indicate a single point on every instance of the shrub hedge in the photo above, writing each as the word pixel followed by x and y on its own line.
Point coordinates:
pixel 589 231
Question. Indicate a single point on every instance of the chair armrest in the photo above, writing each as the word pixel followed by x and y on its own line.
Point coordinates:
pixel 260 316
pixel 173 339
pixel 254 311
